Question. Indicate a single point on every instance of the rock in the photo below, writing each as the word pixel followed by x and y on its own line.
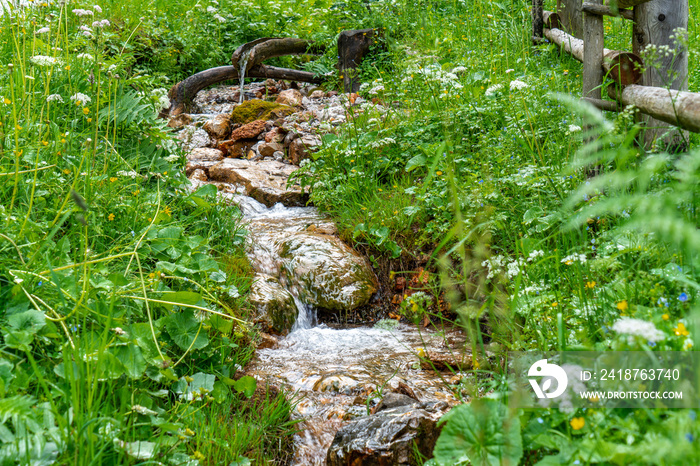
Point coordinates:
pixel 388 437
pixel 205 154
pixel 256 109
pixel 318 94
pixel 300 148
pixel 290 97
pixel 333 275
pixel 238 148
pixel 267 341
pixel 274 305
pixel 218 127
pixel 446 361
pixel 268 149
pixel 393 400
pixel 199 175
pixel 278 155
pixel 274 135
pixel 180 120
pixel 192 137
pixel 264 181
pixel 203 165
pixel 248 131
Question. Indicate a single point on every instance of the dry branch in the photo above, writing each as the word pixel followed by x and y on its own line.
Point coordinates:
pixel 622 67
pixel 269 47
pixel 678 108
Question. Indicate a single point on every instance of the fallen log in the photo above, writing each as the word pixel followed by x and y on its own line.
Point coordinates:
pixel 622 67
pixel 182 94
pixel 263 49
pixel 679 108
pixel 625 3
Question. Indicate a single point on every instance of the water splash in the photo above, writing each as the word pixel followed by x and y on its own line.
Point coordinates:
pixel 241 72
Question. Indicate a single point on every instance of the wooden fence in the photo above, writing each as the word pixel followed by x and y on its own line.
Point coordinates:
pixel 658 91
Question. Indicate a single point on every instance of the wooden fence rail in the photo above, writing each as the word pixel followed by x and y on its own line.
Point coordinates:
pixel 658 90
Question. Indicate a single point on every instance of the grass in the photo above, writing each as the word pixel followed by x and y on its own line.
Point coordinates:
pixel 124 294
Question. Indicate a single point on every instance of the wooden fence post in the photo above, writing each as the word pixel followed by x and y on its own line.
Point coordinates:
pixel 655 23
pixel 537 21
pixel 593 40
pixel 571 16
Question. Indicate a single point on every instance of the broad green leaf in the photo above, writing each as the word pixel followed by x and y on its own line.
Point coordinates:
pixel 19 339
pixel 482 433
pixel 186 330
pixel 30 320
pixel 245 385
pixel 183 297
pixel 415 162
pixel 132 359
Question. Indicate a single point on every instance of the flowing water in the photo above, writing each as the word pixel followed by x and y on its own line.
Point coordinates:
pixel 334 374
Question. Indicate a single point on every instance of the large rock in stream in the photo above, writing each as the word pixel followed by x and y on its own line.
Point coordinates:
pixel 387 437
pixel 275 305
pixel 264 181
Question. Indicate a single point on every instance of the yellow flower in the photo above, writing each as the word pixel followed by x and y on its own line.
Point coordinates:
pixel 66 171
pixel 44 143
pixel 89 120
pixel 189 432
pixel 438 173
pixel 110 217
pixel 680 330
pixel 577 423
pixel 86 110
pixel 113 179
pixel 590 284
pixel 167 210
pixel 67 68
pixel 665 317
pixel 622 305
pixel 197 455
pixel 555 304
pixel 7 101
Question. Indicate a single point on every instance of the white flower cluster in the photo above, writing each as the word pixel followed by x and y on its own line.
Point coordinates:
pixel 85 56
pixel 171 158
pixel 54 98
pixel 574 128
pixel 535 254
pixel 87 32
pixel 131 174
pixel 570 259
pixel 493 89
pixel 43 60
pixel 43 30
pixel 81 98
pixel 100 24
pixel 381 143
pixel 517 84
pixel 81 12
pixel 219 18
pixel 638 328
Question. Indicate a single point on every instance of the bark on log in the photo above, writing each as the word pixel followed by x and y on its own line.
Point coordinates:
pixel 602 10
pixel 607 105
pixel 678 108
pixel 269 47
pixel 625 3
pixel 622 67
pixel 571 16
pixel 183 93
pixel 537 21
pixel 593 39
pixel 352 48
pixel 551 20
pixel 654 23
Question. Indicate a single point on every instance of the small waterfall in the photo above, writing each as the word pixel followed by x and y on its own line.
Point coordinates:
pixel 241 72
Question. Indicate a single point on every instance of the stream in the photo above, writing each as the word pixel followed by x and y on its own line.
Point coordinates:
pixel 334 375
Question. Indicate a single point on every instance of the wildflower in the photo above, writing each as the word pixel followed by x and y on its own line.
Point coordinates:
pixel 438 173
pixel 85 56
pixel 198 456
pixel 6 101
pixel 534 255
pixel 665 317
pixel 570 259
pixel 622 305
pixel 680 330
pixel 110 217
pixel 574 128
pixel 80 99
pixel 640 328
pixel 517 85
pixel 493 89
pixel 81 12
pixel 683 297
pixel 43 60
pixel 66 171
pixel 132 174
pixel 555 304
pixel 100 24
pixel 42 30
pixel 662 302
pixel 118 331
pixel 113 179
pixel 86 110
pixel 577 423
pixel 590 285
pixel 510 70
pixel 143 410
pixel 54 98
pixel 97 8
pixel 167 211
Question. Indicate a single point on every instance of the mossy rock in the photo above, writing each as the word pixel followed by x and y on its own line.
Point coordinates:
pixel 257 109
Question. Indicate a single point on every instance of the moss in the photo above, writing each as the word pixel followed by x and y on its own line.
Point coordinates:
pixel 256 109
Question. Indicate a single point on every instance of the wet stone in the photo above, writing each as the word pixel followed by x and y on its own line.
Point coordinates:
pixel 218 127
pixel 388 437
pixel 275 305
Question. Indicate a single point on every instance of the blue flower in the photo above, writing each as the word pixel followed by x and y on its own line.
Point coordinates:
pixel 663 301
pixel 689 437
pixel 540 420
pixel 683 297
pixel 40 283
pixel 651 344
pixel 692 415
